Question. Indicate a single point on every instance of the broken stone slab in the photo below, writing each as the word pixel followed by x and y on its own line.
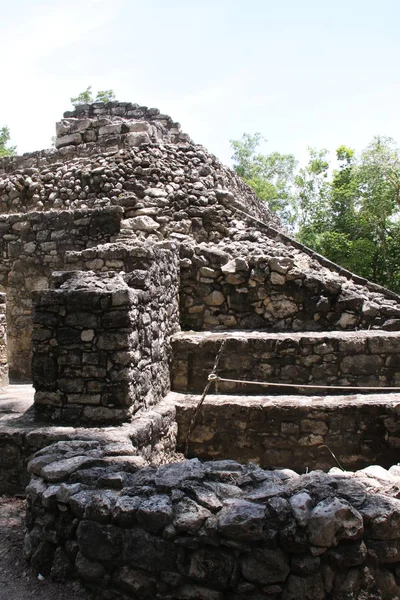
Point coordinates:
pixel 333 520
pixel 242 520
pixel 61 469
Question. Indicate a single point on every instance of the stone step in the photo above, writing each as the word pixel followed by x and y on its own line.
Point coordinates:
pixel 334 358
pixel 297 432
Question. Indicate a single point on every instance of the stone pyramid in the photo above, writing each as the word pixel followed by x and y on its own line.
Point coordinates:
pixel 129 253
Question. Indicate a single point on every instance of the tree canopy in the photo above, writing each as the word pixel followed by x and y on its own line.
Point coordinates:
pixel 350 213
pixel 5 149
pixel 270 175
pixel 86 97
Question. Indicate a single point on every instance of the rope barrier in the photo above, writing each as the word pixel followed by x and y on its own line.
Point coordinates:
pixel 214 377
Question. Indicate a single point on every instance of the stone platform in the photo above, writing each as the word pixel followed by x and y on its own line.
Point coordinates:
pixel 325 358
pixel 299 432
pixel 149 437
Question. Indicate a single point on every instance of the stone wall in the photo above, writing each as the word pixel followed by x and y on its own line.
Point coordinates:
pixel 266 284
pixel 3 342
pixel 101 343
pixel 119 124
pixel 212 531
pixel 299 432
pixel 150 438
pixel 182 179
pixel 351 359
pixel 32 246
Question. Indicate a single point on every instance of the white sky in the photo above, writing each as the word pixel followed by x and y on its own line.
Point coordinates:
pixel 301 72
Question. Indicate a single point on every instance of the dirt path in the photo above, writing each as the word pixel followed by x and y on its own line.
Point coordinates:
pixel 16 579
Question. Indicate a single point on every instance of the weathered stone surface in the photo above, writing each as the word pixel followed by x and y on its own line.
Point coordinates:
pixel 212 567
pixel 143 551
pixel 189 516
pixel 333 520
pixel 265 566
pixel 304 588
pixel 125 510
pixel 102 210
pixel 95 372
pixel 242 520
pixel 302 542
pixel 99 543
pixel 57 471
pixel 382 516
pixel 155 512
pixel 301 505
pixel 135 581
pixel 89 570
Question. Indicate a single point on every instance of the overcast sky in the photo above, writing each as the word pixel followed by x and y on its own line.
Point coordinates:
pixel 301 72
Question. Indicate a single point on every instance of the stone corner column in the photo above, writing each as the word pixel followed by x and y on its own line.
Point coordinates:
pixel 84 342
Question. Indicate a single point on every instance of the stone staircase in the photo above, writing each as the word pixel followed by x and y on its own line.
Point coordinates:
pixel 298 427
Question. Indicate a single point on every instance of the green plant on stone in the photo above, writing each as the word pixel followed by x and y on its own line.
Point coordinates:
pixel 6 150
pixel 86 97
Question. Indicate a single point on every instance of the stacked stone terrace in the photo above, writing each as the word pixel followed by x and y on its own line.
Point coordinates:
pixel 124 198
pixel 129 254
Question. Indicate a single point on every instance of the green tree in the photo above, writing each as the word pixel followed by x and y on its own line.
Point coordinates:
pixel 86 97
pixel 312 188
pixel 350 214
pixel 105 96
pixel 5 150
pixel 353 218
pixel 270 175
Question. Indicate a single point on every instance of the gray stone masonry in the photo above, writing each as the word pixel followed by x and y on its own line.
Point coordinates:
pixel 351 358
pixel 119 124
pixel 32 246
pixel 265 284
pixel 3 342
pixel 238 270
pixel 298 432
pixel 133 216
pixel 149 438
pixel 101 345
pixel 211 531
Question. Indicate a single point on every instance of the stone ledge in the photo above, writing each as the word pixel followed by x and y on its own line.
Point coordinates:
pixel 293 431
pixel 148 436
pixel 353 359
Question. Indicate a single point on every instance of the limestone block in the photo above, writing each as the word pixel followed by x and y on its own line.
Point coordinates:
pixel 139 126
pixel 333 520
pixel 137 138
pixel 216 298
pixel 110 130
pixel 280 264
pixel 277 278
pixel 241 519
pixel 141 223
pixel 67 140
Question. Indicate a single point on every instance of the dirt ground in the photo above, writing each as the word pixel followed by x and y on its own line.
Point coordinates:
pixel 16 579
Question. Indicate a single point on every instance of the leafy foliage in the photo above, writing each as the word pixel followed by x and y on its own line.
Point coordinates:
pixel 350 214
pixel 353 219
pixel 4 139
pixel 86 97
pixel 105 96
pixel 271 175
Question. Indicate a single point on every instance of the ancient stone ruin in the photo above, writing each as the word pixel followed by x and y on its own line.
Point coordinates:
pixel 131 258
